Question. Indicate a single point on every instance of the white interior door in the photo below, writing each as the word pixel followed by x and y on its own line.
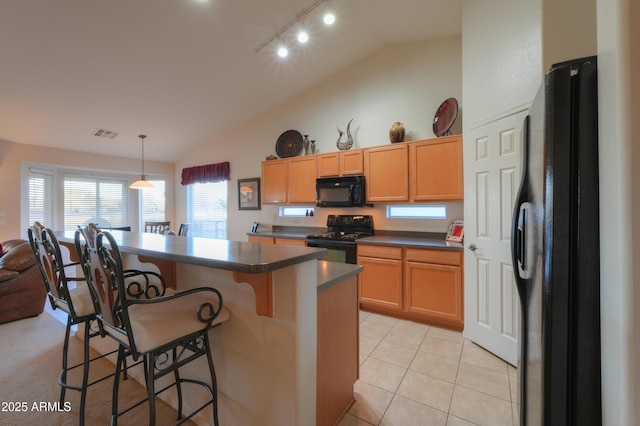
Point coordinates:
pixel 493 163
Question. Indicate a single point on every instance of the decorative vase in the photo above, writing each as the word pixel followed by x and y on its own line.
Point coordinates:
pixel 305 142
pixel 396 133
pixel 313 147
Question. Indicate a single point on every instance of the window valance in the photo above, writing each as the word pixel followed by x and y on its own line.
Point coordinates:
pixel 206 174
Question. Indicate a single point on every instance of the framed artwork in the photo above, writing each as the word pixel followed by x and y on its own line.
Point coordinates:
pixel 249 194
pixel 456 231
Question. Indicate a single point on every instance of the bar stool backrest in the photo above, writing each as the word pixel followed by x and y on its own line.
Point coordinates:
pixel 157 227
pixel 46 250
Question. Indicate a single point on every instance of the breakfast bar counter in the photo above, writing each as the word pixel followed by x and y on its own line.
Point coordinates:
pixel 293 331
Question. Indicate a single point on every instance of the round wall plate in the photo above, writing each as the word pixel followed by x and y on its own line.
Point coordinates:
pixel 289 144
pixel 445 117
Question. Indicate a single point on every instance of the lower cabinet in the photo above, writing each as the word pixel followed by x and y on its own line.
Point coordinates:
pixel 381 279
pixel 282 241
pixel 417 284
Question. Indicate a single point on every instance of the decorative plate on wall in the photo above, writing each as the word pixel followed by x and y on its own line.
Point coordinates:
pixel 445 117
pixel 289 144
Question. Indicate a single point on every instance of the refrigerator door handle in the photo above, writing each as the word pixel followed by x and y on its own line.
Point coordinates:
pixel 520 232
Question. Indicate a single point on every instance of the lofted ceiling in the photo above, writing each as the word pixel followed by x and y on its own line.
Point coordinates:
pixel 180 71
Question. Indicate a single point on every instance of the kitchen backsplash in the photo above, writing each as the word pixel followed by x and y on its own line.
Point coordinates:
pixel 380 220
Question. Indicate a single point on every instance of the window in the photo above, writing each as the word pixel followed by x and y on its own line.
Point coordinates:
pixel 417 212
pixel 152 203
pixel 41 197
pixel 102 201
pixel 296 211
pixel 207 209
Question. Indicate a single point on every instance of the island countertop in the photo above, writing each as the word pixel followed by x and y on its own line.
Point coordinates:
pixel 234 256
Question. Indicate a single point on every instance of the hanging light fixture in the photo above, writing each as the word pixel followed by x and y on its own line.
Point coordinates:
pixel 143 183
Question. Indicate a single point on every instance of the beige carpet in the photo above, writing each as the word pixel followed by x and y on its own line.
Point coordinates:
pixel 30 360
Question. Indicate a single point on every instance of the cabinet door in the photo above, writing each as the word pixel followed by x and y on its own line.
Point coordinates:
pixel 435 168
pixel 351 163
pixel 386 172
pixel 291 242
pixel 328 165
pixel 274 182
pixel 434 292
pixel 381 279
pixel 301 184
pixel 261 240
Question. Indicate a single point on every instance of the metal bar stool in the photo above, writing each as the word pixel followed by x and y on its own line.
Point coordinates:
pixel 76 302
pixel 166 331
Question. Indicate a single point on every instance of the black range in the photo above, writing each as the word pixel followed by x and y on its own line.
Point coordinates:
pixel 342 233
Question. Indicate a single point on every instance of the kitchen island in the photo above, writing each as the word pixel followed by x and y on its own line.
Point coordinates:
pixel 293 331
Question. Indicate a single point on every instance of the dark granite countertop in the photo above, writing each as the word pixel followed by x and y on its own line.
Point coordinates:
pixel 292 232
pixel 413 242
pixel 221 254
pixel 330 273
pixel 432 240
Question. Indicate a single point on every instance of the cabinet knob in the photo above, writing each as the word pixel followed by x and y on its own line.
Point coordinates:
pixel 472 247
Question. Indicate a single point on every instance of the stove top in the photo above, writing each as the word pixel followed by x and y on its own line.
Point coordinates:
pixel 346 228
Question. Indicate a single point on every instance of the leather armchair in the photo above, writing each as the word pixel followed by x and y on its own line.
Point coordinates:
pixel 22 292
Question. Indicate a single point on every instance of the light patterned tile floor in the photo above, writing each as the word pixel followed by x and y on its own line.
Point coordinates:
pixel 416 374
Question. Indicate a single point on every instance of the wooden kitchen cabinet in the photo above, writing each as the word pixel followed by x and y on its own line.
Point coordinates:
pixel 301 185
pixel 381 279
pixel 417 284
pixel 291 242
pixel 261 240
pixel 433 286
pixel 343 163
pixel 386 173
pixel 282 241
pixel 291 180
pixel 435 169
pixel 274 181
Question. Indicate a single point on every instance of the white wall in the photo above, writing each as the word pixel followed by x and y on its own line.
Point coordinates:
pixel 13 155
pixel 501 58
pixel 568 30
pixel 405 83
pixel 619 134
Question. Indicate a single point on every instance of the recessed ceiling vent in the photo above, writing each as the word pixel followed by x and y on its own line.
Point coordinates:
pixel 103 133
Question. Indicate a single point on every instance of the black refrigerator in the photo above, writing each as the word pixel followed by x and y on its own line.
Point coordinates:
pixel 555 250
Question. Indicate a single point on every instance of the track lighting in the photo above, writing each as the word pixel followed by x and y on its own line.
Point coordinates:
pixel 302 36
pixel 329 15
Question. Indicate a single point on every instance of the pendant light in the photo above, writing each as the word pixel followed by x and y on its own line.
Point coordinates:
pixel 143 183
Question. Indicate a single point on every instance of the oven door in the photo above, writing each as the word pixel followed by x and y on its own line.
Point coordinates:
pixel 337 251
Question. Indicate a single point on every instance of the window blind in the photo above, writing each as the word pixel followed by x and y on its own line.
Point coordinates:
pixel 152 203
pixel 41 197
pixel 102 201
pixel 207 209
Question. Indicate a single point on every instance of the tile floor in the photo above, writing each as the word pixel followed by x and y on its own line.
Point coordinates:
pixel 415 374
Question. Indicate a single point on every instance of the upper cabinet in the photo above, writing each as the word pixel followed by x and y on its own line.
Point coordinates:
pixel 342 163
pixel 274 181
pixel 435 169
pixel 302 180
pixel 386 173
pixel 420 171
pixel 291 180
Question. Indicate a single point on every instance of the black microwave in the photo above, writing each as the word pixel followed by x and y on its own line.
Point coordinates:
pixel 347 191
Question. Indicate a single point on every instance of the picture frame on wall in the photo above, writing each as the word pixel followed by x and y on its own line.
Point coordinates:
pixel 249 194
